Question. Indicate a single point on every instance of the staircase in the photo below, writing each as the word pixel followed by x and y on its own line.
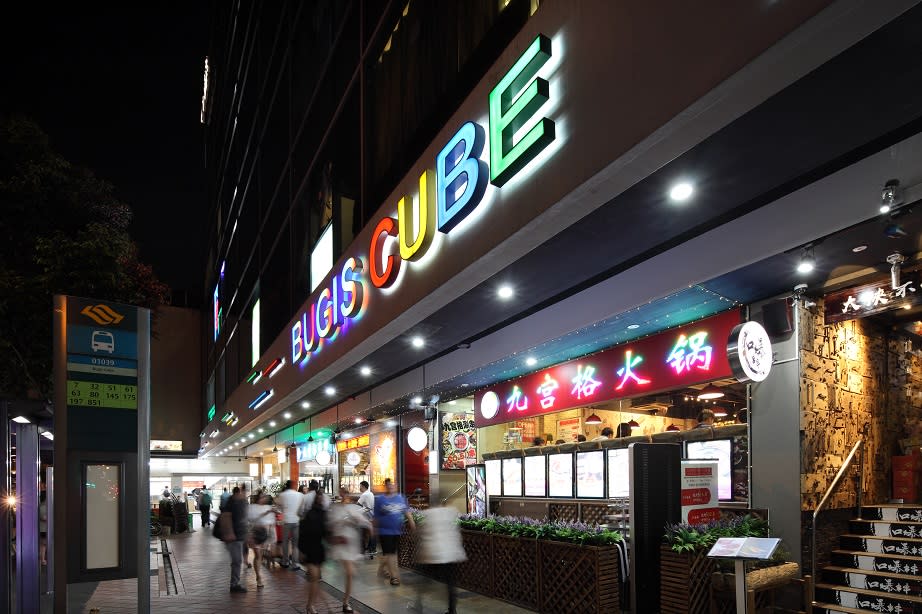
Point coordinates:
pixel 878 566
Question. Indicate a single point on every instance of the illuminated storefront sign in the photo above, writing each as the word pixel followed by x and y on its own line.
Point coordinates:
pixel 446 195
pixel 350 444
pixel 309 450
pixel 676 358
pixel 869 299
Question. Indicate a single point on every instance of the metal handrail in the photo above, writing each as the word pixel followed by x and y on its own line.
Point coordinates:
pixel 858 447
pixel 456 491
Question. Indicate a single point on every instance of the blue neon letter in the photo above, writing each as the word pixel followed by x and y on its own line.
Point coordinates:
pixel 459 164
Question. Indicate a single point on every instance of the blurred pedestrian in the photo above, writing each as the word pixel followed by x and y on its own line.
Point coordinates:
pixel 237 507
pixel 311 533
pixel 347 521
pixel 440 544
pixel 391 510
pixel 290 502
pixel 204 506
pixel 367 503
pixel 262 526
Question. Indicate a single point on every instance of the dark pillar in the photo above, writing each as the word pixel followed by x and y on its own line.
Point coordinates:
pixel 6 516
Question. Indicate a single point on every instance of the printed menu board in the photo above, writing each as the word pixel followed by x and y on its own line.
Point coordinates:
pixel 590 474
pixel 494 478
pixel 560 475
pixel 619 473
pixel 535 474
pixel 512 477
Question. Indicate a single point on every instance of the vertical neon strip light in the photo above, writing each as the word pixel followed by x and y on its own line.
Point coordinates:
pixel 254 334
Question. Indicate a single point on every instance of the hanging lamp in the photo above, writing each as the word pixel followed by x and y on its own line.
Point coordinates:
pixel 672 428
pixel 633 424
pixel 593 419
pixel 710 392
pixel 310 431
pixel 720 412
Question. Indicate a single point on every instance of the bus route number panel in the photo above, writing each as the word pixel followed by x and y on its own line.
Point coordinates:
pixel 100 394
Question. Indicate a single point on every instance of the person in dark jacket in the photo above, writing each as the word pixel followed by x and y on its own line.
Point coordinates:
pixel 237 506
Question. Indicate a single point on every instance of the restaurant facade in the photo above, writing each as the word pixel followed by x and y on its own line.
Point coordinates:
pixel 578 246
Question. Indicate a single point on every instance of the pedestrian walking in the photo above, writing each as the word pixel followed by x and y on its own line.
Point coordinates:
pixel 204 506
pixel 312 530
pixel 391 510
pixel 441 545
pixel 367 503
pixel 262 526
pixel 290 502
pixel 235 511
pixel 347 521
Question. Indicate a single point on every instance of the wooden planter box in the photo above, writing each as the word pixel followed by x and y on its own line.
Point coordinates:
pixel 540 575
pixel 685 581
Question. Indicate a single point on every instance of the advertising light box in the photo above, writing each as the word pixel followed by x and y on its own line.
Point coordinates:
pixel 512 477
pixel 494 478
pixel 560 475
pixel 535 476
pixel 676 358
pixel 590 474
pixel 619 473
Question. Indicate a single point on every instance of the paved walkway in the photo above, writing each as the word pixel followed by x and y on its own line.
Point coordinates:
pixel 201 567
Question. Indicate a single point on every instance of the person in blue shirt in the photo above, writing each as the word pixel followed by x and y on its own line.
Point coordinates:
pixel 391 510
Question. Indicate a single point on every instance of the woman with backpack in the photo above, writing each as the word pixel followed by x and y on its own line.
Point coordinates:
pixel 312 530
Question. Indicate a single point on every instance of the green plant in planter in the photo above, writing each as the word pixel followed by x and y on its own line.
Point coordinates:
pixel 684 537
pixel 515 526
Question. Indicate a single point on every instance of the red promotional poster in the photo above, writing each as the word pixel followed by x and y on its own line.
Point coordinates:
pixel 459 441
pixel 699 492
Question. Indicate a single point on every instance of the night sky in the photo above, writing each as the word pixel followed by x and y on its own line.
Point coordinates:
pixel 118 90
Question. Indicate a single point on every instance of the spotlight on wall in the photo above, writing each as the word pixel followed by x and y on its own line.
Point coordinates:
pixel 890 196
pixel 807 262
pixel 895 260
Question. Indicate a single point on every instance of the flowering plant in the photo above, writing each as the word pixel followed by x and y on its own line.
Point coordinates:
pixel 555 530
pixel 684 537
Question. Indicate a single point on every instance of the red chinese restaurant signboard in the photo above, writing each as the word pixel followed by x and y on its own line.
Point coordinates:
pixel 676 358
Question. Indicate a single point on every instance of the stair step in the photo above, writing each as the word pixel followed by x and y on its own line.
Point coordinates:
pixel 831 608
pixel 907 512
pixel 876 601
pixel 881 581
pixel 905 546
pixel 886 528
pixel 907 565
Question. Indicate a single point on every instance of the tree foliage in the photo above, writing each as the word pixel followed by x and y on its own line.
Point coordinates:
pixel 62 231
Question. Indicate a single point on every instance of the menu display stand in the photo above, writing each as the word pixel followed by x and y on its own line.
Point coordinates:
pixel 740 550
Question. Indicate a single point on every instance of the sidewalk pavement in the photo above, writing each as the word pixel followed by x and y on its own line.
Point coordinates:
pixel 201 568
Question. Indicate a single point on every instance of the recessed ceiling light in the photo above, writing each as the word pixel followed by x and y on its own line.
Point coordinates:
pixel 531 361
pixel 251 436
pixel 237 444
pixel 271 422
pixel 358 420
pixel 418 342
pixel 633 326
pixel 505 292
pixel 365 370
pixel 681 191
pixel 330 390
pixel 305 404
pixel 417 400
pixel 906 306
pixel 21 420
pixel 859 248
pixel 259 430
pixel 287 415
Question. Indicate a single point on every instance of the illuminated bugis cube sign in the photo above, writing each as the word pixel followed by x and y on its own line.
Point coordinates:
pixel 446 194
pixel 676 358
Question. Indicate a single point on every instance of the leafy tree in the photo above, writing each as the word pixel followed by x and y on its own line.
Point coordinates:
pixel 62 231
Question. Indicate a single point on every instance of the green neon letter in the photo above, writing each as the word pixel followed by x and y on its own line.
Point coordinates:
pixel 512 104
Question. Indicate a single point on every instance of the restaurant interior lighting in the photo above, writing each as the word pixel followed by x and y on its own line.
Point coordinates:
pixel 593 419
pixel 720 412
pixel 807 262
pixel 710 392
pixel 672 428
pixel 22 420
pixel 681 191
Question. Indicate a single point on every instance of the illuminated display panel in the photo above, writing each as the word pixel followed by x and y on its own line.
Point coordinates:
pixel 677 358
pixel 512 477
pixel 619 473
pixel 494 478
pixel 322 257
pixel 590 474
pixel 721 451
pixel 356 442
pixel 560 475
pixel 535 476
pixel 99 394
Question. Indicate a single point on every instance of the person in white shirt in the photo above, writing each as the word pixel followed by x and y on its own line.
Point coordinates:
pixel 346 523
pixel 440 544
pixel 290 502
pixel 262 529
pixel 367 503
